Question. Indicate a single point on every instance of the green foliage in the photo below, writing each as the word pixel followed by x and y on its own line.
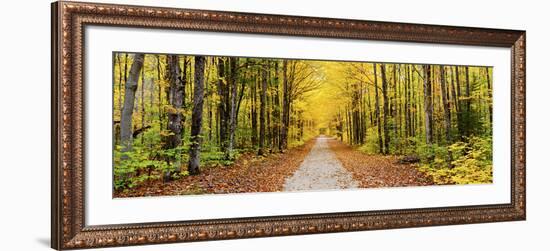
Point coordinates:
pixel 434 153
pixel 215 157
pixel 471 162
pixel 129 167
pixel 371 145
pixel 296 143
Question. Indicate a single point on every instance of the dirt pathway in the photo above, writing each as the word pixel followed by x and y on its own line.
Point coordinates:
pixel 320 170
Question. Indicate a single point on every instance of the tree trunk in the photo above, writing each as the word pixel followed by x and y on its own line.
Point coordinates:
pixel 453 90
pixel 386 109
pixel 408 122
pixel 377 111
pixel 159 96
pixel 369 107
pixel 208 95
pixel 119 107
pixel 398 107
pixel 286 108
pixel 222 109
pixel 151 98
pixel 460 102
pixel 276 109
pixel 490 94
pixel 340 127
pixel 240 96
pixel 233 106
pixel 393 105
pixel 142 99
pixel 446 112
pixel 363 114
pixel 428 105
pixel 119 61
pixel 416 117
pixel 183 79
pixel 196 117
pixel 468 118
pixel 126 127
pixel 446 106
pixel 175 125
pixel 263 99
pixel 254 114
pixel 125 75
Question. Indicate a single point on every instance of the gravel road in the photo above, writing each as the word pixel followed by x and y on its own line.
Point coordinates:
pixel 320 170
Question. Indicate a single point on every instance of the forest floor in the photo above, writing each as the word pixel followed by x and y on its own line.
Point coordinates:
pixel 377 170
pixel 249 174
pixel 320 164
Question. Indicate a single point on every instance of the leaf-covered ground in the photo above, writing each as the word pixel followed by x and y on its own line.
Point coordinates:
pixel 248 174
pixel 377 170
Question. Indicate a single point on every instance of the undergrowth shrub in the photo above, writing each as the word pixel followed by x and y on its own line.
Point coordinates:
pixel 471 161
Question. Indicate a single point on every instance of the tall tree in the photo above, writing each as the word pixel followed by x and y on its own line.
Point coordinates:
pixel 460 102
pixel 175 117
pixel 377 110
pixel 253 113
pixel 263 99
pixel 445 103
pixel 223 107
pixel 286 107
pixel 232 83
pixel 408 117
pixel 453 89
pixel 276 108
pixel 142 102
pixel 130 87
pixel 468 101
pixel 196 117
pixel 386 108
pixel 428 105
pixel 119 63
pixel 159 81
pixel 446 111
pixel 125 73
pixel 297 81
pixel 489 94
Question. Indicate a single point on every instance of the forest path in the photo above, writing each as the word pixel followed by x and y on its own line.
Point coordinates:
pixel 320 170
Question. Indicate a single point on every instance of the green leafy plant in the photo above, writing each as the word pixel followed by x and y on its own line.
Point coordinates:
pixel 471 162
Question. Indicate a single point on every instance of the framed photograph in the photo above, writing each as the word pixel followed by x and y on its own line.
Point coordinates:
pixel 176 125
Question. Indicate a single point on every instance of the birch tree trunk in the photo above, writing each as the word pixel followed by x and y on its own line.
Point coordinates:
pixel 130 87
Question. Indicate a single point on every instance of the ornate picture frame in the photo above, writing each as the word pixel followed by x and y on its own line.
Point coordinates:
pixel 68 227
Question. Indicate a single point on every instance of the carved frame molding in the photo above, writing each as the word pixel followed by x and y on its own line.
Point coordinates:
pixel 69 20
